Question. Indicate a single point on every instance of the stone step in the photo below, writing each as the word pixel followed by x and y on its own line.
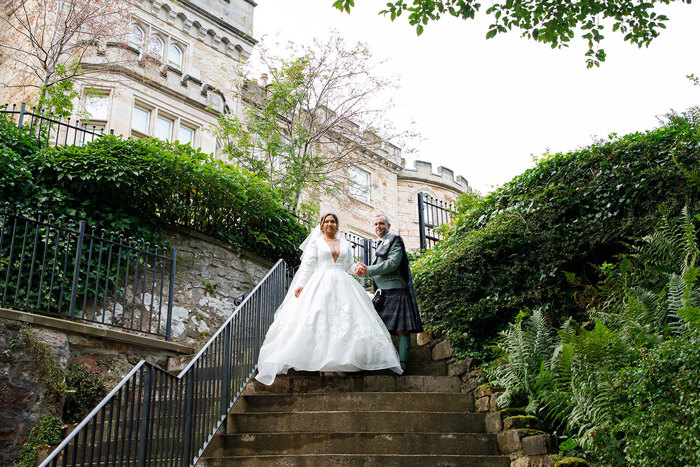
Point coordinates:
pixel 313 382
pixel 378 460
pixel 349 421
pixel 247 444
pixel 366 401
pixel 426 368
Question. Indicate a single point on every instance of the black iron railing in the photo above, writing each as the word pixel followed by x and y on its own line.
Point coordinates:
pixel 155 418
pixel 431 214
pixel 51 130
pixel 51 267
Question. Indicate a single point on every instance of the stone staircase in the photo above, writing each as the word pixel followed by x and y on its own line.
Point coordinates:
pixel 359 419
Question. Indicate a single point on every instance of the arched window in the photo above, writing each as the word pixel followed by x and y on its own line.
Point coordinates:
pixel 175 56
pixel 136 36
pixel 155 47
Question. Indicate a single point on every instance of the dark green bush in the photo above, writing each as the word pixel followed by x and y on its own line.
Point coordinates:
pixel 84 390
pixel 662 423
pixel 136 187
pixel 510 250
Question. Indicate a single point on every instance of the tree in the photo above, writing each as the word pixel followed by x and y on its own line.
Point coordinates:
pixel 45 44
pixel 550 22
pixel 320 113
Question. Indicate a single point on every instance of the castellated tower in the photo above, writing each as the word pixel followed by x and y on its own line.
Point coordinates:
pixel 441 186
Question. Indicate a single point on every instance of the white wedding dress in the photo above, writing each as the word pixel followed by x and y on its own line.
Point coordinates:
pixel 331 326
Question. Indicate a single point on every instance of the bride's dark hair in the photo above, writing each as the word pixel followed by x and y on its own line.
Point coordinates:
pixel 335 216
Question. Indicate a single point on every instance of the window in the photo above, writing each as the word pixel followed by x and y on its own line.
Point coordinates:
pixel 359 184
pixel 175 56
pixel 157 44
pixel 185 135
pixel 139 120
pixel 136 36
pixel 155 47
pixel 164 128
pixel 151 120
pixel 96 106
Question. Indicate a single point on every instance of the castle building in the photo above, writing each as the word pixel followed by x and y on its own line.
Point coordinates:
pixel 174 74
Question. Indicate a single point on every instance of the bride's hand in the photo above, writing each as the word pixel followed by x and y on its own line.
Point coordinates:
pixel 298 291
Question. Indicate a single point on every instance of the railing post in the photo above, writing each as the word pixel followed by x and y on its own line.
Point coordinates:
pixel 20 120
pixel 187 435
pixel 225 394
pixel 76 269
pixel 171 294
pixel 421 222
pixel 368 250
pixel 145 417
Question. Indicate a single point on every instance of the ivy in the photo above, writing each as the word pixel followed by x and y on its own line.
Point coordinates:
pixel 511 250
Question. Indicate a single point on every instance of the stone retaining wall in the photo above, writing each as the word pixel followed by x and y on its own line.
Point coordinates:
pixel 518 434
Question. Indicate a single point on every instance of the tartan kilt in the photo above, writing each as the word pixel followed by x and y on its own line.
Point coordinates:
pixel 399 312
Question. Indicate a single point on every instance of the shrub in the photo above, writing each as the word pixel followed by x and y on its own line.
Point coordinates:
pixel 84 390
pixel 662 426
pixel 136 187
pixel 510 251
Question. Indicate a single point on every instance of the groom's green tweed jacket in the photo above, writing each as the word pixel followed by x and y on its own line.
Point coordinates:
pixel 386 271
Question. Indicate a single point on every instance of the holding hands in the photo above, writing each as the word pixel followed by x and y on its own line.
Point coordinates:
pixel 361 269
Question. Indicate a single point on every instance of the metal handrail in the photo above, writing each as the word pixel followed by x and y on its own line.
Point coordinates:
pixel 156 418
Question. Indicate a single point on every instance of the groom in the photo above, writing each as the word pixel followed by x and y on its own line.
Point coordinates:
pixel 392 277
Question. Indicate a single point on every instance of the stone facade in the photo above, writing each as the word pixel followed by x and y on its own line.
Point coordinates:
pixel 393 190
pixel 179 92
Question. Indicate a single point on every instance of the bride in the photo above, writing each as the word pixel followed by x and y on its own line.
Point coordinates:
pixel 327 321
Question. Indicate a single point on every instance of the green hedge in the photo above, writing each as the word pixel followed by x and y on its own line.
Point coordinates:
pixel 135 187
pixel 511 250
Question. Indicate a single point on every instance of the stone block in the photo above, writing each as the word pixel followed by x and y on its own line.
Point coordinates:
pixel 537 444
pixel 442 350
pixel 483 391
pixel 494 422
pixel 509 441
pixel 423 338
pixel 494 401
pixel 482 404
pixel 533 461
pixel 459 368
pixel 521 421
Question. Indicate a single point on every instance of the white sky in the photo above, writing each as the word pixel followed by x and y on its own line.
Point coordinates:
pixel 484 107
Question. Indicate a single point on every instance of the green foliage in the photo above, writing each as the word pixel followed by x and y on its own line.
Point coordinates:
pixel 84 391
pixel 510 250
pixel 622 388
pixel 138 186
pixel 44 358
pixel 662 410
pixel 553 23
pixel 45 433
pixel 57 98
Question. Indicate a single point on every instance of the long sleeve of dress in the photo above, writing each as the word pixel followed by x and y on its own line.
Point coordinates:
pixel 308 264
pixel 350 263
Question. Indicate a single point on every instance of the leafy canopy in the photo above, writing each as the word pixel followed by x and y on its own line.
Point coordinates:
pixel 550 22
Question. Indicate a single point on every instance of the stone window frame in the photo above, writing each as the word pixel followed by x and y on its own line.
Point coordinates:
pixel 159 111
pixel 167 40
pixel 351 184
pixel 93 123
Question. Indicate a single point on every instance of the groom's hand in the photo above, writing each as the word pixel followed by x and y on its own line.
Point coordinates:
pixel 361 270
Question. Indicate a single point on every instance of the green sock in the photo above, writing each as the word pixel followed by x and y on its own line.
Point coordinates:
pixel 404 346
